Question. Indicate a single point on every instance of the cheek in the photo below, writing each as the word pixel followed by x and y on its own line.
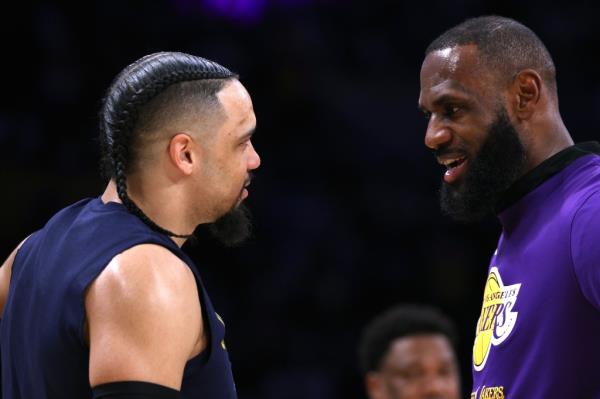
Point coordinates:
pixel 235 172
pixel 453 384
pixel 401 388
pixel 473 133
pixel 473 128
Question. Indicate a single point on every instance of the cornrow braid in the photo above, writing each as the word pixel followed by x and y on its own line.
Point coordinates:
pixel 131 90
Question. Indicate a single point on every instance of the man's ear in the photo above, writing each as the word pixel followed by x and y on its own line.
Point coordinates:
pixel 525 90
pixel 181 154
pixel 374 385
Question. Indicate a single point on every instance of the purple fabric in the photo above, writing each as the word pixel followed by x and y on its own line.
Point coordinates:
pixel 539 330
pixel 585 248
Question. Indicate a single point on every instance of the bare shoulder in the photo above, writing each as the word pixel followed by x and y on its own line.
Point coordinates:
pixel 146 271
pixel 144 318
pixel 5 274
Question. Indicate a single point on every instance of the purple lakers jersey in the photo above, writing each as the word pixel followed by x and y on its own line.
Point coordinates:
pixel 538 335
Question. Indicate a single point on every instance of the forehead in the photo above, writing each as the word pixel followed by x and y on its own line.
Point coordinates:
pixel 418 349
pixel 457 69
pixel 236 101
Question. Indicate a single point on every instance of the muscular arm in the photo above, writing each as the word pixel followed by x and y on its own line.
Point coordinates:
pixel 5 273
pixel 144 319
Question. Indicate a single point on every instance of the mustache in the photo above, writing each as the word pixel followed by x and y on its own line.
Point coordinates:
pixel 446 150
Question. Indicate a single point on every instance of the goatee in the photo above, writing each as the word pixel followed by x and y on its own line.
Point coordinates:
pixel 499 163
pixel 233 228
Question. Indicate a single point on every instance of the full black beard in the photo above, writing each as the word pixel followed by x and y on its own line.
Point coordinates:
pixel 233 228
pixel 499 163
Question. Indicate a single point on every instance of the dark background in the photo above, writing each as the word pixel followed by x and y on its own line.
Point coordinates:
pixel 345 206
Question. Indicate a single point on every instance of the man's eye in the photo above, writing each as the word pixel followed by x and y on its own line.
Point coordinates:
pixel 446 371
pixel 450 110
pixel 411 374
pixel 427 114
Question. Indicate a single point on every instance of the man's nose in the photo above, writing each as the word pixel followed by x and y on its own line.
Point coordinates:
pixel 254 161
pixel 437 134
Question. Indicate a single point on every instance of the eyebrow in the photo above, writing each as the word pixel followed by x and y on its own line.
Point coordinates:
pixel 248 134
pixel 443 99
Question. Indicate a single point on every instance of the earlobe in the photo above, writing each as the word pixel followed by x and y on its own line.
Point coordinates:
pixel 180 153
pixel 527 86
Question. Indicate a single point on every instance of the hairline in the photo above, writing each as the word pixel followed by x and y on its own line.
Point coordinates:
pixel 401 322
pixel 506 69
pixel 211 116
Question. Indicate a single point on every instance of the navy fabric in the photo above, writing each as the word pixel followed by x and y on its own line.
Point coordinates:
pixel 42 344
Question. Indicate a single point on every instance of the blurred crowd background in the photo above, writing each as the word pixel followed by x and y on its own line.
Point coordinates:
pixel 345 204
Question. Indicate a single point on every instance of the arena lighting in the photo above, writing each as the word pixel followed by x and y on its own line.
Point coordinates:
pixel 243 11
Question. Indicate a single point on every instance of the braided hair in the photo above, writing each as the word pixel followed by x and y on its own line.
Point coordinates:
pixel 131 91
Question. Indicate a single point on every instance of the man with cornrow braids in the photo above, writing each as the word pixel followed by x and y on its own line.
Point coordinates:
pixel 102 302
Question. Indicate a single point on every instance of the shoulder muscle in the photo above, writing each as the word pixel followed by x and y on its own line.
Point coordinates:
pixel 143 314
pixel 5 274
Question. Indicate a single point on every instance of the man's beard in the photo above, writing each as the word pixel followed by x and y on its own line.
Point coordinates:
pixel 499 163
pixel 232 228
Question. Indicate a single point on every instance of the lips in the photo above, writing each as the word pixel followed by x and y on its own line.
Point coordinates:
pixel 455 167
pixel 244 193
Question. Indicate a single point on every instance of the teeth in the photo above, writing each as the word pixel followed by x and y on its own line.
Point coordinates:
pixel 450 161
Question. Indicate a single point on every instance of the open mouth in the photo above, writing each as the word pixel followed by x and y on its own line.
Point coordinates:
pixel 455 167
pixel 455 163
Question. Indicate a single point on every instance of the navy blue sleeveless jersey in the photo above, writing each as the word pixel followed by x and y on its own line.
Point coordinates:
pixel 43 349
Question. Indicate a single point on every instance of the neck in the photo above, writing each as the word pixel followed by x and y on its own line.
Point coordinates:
pixel 158 205
pixel 549 139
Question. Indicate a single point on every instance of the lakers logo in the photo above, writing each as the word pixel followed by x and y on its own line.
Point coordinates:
pixel 496 392
pixel 497 318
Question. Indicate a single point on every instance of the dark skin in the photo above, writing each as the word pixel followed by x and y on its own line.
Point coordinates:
pixel 461 95
pixel 419 366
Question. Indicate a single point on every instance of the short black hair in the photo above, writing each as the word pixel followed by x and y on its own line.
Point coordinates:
pixel 179 101
pixel 398 322
pixel 505 45
pixel 153 84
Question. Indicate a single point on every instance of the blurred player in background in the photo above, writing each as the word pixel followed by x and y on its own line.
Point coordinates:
pixel 407 352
